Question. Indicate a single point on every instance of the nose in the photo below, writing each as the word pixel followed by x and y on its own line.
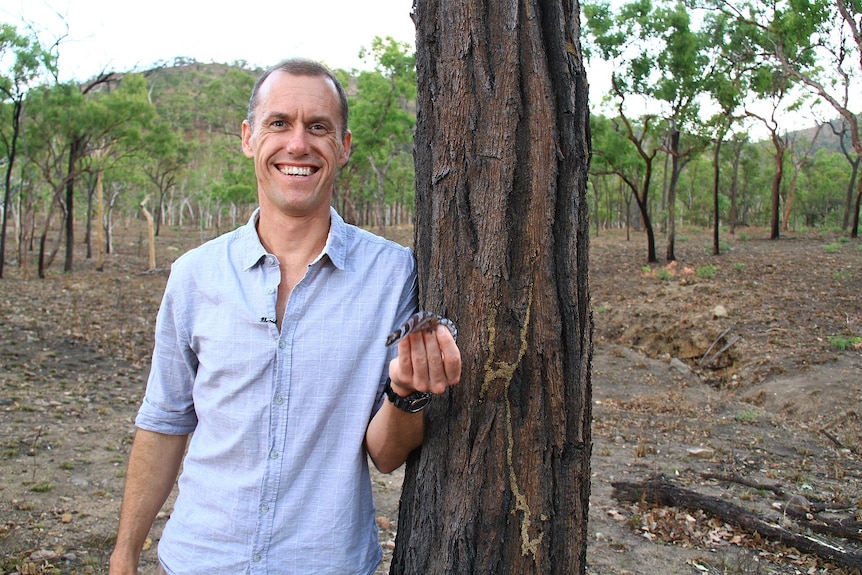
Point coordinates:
pixel 297 141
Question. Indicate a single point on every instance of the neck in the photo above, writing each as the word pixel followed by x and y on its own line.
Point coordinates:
pixel 294 240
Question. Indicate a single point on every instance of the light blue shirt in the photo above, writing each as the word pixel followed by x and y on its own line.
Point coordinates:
pixel 275 479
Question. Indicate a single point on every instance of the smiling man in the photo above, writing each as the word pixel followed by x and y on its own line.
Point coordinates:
pixel 271 355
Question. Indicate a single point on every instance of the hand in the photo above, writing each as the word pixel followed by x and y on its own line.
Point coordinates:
pixel 428 360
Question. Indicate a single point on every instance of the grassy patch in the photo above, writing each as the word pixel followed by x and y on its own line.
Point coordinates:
pixel 707 271
pixel 844 342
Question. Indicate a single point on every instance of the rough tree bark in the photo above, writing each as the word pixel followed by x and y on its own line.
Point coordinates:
pixel 501 485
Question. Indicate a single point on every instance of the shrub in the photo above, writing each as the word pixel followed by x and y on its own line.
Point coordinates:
pixel 664 274
pixel 707 271
pixel 843 342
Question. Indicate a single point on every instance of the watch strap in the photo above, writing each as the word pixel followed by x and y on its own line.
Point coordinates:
pixel 413 403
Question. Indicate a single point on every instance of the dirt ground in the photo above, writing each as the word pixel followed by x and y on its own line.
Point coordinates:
pixel 724 373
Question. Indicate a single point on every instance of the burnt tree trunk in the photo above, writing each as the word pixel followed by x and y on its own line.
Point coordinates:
pixel 75 151
pixel 501 485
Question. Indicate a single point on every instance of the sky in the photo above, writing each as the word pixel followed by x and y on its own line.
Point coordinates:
pixel 118 35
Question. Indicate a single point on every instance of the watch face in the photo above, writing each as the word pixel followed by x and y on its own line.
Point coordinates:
pixel 418 404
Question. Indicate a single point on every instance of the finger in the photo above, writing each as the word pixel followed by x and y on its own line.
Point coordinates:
pixel 401 368
pixel 437 378
pixel 450 355
pixel 419 361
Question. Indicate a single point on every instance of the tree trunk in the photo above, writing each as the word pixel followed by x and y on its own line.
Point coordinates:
pixel 851 187
pixel 716 180
pixel 100 223
pixel 788 204
pixel 671 194
pixel 501 485
pixel 734 184
pixel 74 155
pixel 11 153
pixel 854 228
pixel 151 236
pixel 780 146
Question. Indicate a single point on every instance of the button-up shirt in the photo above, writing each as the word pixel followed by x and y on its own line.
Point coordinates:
pixel 275 479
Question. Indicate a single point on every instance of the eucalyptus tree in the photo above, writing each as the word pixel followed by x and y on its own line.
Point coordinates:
pixel 815 44
pixel 68 128
pixel 841 130
pixel 501 485
pixel 819 204
pixel 164 161
pixel 800 154
pixel 24 63
pixel 677 80
pixel 382 119
pixel 661 58
pixel 772 93
pixel 628 151
pixel 737 143
pixel 727 85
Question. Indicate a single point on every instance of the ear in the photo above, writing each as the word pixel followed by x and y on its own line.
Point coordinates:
pixel 345 148
pixel 247 148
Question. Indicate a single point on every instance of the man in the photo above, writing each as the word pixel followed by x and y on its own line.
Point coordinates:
pixel 270 352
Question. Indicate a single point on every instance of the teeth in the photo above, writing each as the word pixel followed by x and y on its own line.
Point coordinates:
pixel 296 171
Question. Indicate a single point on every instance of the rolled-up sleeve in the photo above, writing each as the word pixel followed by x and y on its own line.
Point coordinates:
pixel 168 405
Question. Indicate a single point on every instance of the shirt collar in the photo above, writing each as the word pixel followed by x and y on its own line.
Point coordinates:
pixel 335 248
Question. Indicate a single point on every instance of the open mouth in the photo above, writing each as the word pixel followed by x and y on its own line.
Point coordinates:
pixel 297 170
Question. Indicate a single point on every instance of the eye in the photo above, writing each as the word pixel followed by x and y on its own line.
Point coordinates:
pixel 278 124
pixel 319 128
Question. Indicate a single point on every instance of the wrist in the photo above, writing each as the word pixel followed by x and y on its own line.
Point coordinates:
pixel 413 402
pixel 400 390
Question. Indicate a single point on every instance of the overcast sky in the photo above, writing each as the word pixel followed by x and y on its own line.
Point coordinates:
pixel 120 35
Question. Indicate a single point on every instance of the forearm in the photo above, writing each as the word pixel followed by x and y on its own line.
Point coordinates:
pixel 392 435
pixel 153 467
pixel 427 361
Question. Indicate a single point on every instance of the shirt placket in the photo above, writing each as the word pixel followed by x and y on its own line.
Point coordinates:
pixel 277 431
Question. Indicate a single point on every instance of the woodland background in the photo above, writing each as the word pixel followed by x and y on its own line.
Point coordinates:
pixel 708 369
pixel 691 85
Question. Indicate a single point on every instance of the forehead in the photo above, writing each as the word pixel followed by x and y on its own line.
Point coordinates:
pixel 283 93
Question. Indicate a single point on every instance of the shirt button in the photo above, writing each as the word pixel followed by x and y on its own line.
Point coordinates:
pixel 279 400
pixel 282 344
pixel 264 507
pixel 256 558
pixel 273 455
pixel 271 290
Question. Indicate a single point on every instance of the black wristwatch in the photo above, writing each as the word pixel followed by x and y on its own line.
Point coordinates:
pixel 413 403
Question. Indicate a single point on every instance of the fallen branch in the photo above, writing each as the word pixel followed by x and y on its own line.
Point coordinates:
pixel 721 335
pixel 846 528
pixel 662 491
pixel 851 530
pixel 832 438
pixel 736 478
pixel 727 345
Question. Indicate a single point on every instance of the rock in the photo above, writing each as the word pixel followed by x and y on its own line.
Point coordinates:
pixel 680 366
pixel 42 555
pixel 704 452
pixel 384 523
pixel 719 311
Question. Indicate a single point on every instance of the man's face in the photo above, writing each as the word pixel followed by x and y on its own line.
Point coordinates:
pixel 296 143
